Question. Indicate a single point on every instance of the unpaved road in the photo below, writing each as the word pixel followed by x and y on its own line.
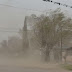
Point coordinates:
pixel 8 64
pixel 22 69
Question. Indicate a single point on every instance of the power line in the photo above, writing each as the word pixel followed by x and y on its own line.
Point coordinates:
pixel 9 31
pixel 9 28
pixel 20 8
pixel 36 10
pixel 58 3
pixel 13 31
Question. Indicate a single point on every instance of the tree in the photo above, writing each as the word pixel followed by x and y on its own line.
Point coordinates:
pixel 14 44
pixel 4 47
pixel 50 29
pixel 4 44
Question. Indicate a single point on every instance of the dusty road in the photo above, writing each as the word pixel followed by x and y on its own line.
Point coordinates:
pixel 22 69
pixel 8 64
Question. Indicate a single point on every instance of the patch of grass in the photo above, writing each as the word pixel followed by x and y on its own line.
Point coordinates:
pixel 67 67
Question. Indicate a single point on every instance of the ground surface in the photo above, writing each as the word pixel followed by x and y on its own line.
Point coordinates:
pixel 15 64
pixel 22 69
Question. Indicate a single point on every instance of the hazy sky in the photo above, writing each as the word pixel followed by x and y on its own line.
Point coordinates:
pixel 14 17
pixel 36 4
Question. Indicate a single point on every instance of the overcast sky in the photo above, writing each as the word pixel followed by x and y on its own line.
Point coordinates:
pixel 36 4
pixel 14 17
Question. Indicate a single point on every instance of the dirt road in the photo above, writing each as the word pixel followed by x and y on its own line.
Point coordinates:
pixel 23 69
pixel 27 65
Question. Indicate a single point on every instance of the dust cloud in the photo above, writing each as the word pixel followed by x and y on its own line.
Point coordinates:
pixel 31 59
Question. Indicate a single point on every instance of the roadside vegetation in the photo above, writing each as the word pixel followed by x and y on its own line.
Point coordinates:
pixel 67 67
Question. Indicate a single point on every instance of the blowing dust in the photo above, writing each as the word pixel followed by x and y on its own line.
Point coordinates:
pixel 32 59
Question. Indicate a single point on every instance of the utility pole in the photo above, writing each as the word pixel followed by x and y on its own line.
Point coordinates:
pixel 25 36
pixel 61 43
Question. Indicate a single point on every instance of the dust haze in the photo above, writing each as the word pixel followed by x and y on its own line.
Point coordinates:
pixel 44 41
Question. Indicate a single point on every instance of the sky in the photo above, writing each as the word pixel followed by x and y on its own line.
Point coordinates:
pixel 14 17
pixel 36 4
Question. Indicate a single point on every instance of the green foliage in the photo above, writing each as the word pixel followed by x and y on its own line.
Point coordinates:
pixel 68 67
pixel 49 28
pixel 53 29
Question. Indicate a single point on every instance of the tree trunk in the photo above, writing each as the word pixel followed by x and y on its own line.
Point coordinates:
pixel 56 55
pixel 47 55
